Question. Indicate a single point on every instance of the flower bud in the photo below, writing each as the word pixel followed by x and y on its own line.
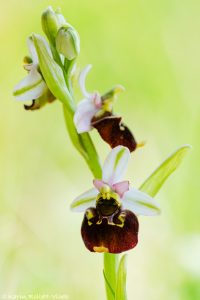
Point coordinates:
pixel 51 22
pixel 68 42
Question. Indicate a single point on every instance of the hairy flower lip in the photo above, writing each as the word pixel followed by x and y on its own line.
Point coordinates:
pixel 114 132
pixel 119 236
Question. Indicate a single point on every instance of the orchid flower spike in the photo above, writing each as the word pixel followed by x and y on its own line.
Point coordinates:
pixel 96 111
pixel 110 223
pixel 33 86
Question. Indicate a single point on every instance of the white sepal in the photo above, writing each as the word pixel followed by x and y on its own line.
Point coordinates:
pixel 32 50
pixel 84 201
pixel 82 79
pixel 116 164
pixel 84 113
pixel 31 87
pixel 140 203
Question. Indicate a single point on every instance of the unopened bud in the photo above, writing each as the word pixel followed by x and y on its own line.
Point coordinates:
pixel 51 22
pixel 68 42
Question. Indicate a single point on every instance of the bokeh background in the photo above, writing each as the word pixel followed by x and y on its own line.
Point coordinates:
pixel 153 49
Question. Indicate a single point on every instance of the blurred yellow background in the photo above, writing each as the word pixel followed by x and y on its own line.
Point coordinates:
pixel 153 49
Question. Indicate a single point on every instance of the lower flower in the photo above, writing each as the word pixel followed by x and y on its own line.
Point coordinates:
pixel 101 235
pixel 110 208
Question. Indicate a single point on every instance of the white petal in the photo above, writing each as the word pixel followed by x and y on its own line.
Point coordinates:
pixel 31 87
pixel 84 201
pixel 84 113
pixel 116 164
pixel 32 50
pixel 82 79
pixel 140 203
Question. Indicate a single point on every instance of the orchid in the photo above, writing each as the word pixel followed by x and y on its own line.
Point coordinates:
pixel 110 223
pixel 33 86
pixel 111 207
pixel 96 111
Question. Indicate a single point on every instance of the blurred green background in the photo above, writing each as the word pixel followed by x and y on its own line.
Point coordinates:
pixel 153 49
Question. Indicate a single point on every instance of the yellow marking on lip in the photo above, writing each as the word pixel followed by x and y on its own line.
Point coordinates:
pixel 89 214
pixel 100 249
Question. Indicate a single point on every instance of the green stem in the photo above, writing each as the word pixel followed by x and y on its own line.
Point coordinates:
pixel 110 273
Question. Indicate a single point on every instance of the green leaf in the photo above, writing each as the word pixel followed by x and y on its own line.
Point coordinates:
pixel 52 73
pixel 121 280
pixel 154 182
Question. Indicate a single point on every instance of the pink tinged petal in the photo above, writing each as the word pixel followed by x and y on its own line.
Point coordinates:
pixel 84 113
pixel 82 79
pixel 98 184
pixel 96 98
pixel 31 87
pixel 121 187
pixel 84 201
pixel 32 50
pixel 116 164
pixel 140 203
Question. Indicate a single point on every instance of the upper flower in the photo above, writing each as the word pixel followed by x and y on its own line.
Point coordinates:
pixel 112 202
pixel 96 111
pixel 33 86
pixel 88 107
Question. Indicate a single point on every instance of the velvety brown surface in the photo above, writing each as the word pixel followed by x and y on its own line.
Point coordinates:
pixel 113 238
pixel 114 132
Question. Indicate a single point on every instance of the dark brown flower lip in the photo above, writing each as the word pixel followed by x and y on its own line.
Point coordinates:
pixel 102 235
pixel 114 132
